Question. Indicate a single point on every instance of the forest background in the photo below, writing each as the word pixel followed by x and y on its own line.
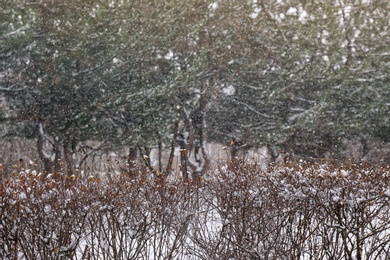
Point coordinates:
pixel 304 78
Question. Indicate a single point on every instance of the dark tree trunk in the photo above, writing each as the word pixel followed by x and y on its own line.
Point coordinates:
pixel 131 160
pixel 272 153
pixel 183 156
pixel 200 136
pixel 68 157
pixel 51 162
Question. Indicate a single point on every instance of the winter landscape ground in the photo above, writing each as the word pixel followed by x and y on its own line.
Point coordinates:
pixel 239 211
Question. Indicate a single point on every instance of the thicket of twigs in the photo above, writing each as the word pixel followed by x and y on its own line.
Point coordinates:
pixel 310 211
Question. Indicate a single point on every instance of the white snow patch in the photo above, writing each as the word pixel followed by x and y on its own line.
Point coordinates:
pixel 213 6
pixel 229 90
pixel 255 13
pixel 325 58
pixel 292 11
pixel 22 195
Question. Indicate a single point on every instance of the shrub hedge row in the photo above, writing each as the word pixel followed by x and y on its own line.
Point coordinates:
pixel 295 211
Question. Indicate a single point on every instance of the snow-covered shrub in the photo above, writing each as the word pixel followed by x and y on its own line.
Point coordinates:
pixel 294 211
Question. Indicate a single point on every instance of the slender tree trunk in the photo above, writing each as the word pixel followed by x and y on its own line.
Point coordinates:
pixel 131 160
pixel 366 149
pixel 173 145
pixel 200 135
pixel 183 156
pixel 233 150
pixel 160 148
pixel 272 153
pixel 50 161
pixel 68 157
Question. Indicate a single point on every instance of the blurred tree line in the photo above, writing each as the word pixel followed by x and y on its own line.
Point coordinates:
pixel 296 76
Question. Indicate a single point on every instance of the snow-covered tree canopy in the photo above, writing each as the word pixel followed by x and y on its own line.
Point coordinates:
pixel 302 75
